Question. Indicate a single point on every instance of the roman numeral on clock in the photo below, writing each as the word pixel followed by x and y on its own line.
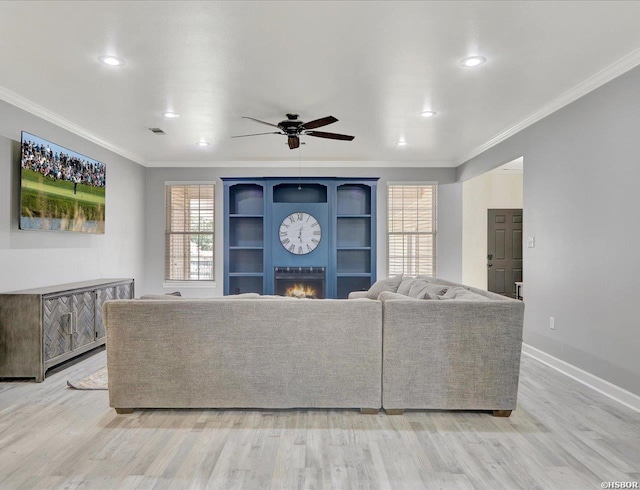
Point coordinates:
pixel 317 232
pixel 286 241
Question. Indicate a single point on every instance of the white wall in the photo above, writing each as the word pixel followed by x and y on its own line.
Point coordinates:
pixel 449 214
pixel 581 178
pixel 36 258
pixel 489 191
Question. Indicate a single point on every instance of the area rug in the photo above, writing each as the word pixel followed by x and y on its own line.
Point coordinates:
pixel 95 381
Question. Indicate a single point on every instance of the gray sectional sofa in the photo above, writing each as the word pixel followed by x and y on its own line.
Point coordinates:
pixel 244 353
pixel 457 350
pixel 407 343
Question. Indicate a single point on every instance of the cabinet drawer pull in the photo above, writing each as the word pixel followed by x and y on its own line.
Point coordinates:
pixel 72 324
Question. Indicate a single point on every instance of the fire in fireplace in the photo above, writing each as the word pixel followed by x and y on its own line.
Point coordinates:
pixel 300 282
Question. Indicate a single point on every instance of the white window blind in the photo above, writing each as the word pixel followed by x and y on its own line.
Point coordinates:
pixel 189 239
pixel 411 243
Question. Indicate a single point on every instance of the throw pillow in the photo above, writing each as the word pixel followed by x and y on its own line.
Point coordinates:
pixel 423 290
pixel 419 290
pixel 405 285
pixel 451 293
pixel 389 284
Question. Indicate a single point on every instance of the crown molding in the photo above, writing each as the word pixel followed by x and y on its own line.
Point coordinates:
pixel 612 71
pixel 304 164
pixel 39 111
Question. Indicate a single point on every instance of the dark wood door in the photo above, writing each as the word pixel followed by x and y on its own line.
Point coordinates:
pixel 504 250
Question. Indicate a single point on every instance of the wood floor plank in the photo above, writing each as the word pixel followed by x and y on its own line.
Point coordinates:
pixel 562 436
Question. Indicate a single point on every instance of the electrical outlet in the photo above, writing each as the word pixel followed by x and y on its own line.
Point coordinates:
pixel 531 242
pixel 552 323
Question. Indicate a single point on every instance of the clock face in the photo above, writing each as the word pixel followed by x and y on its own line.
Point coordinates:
pixel 300 233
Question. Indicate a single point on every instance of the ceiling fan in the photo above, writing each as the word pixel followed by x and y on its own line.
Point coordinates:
pixel 294 128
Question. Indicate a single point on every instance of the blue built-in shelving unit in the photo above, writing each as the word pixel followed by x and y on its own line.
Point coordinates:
pixel 254 209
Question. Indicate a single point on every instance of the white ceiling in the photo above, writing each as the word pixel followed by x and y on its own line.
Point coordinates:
pixel 373 65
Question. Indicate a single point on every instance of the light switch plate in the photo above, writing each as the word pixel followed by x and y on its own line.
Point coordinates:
pixel 531 242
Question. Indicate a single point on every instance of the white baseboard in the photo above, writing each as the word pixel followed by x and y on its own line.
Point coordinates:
pixel 600 385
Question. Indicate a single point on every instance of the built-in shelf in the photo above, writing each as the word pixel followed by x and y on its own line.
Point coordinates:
pixel 254 209
pixel 244 238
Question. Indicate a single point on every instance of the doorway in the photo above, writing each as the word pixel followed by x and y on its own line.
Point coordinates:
pixel 504 250
pixel 500 188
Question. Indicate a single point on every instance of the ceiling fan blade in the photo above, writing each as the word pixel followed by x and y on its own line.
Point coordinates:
pixel 294 142
pixel 256 134
pixel 259 121
pixel 332 136
pixel 318 122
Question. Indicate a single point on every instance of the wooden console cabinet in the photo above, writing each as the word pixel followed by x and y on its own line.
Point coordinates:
pixel 42 327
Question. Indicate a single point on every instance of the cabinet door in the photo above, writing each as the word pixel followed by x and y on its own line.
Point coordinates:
pixel 102 295
pixel 124 291
pixel 57 326
pixel 83 305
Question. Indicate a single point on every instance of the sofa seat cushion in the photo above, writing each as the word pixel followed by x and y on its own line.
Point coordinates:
pixel 388 295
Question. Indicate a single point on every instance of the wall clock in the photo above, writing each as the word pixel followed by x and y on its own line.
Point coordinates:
pixel 300 233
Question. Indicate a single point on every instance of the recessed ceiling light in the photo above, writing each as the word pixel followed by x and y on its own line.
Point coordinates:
pixel 428 113
pixel 111 60
pixel 202 143
pixel 170 115
pixel 471 61
pixel 402 143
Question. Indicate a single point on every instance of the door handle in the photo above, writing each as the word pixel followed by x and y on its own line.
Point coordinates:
pixel 69 323
pixel 490 256
pixel 73 323
pixel 489 264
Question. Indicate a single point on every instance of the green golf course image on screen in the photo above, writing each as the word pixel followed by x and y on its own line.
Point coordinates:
pixel 60 190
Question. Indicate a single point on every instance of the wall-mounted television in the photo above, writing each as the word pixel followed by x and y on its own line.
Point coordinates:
pixel 61 190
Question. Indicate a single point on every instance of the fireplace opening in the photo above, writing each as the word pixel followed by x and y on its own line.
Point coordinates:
pixel 300 282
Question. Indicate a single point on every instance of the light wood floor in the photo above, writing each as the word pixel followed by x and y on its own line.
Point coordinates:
pixel 562 436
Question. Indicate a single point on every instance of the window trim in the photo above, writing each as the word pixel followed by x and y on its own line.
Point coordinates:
pixel 434 233
pixel 193 283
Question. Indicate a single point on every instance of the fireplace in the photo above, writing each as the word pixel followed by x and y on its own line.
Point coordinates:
pixel 300 282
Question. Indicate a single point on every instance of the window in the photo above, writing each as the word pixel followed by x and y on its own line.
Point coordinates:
pixel 189 240
pixel 411 246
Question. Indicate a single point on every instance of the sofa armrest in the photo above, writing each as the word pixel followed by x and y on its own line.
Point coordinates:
pixel 357 294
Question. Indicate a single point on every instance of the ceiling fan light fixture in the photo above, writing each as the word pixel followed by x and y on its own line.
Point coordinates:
pixel 428 113
pixel 473 61
pixel 402 142
pixel 202 143
pixel 170 115
pixel 111 60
